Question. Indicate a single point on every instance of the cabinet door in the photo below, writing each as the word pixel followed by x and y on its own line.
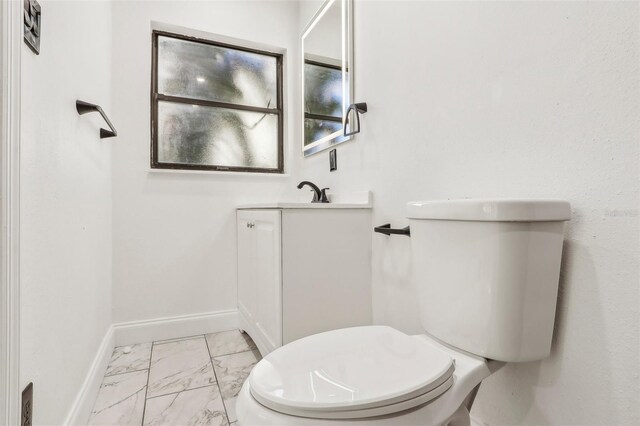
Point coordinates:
pixel 247 284
pixel 260 275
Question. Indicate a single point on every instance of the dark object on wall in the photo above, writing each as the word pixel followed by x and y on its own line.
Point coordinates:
pixel 86 107
pixel 387 230
pixel 359 108
pixel 32 22
pixel 26 418
pixel 333 160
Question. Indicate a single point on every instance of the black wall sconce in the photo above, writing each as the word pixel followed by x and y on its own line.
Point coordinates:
pixel 358 108
pixel 85 107
pixel 32 21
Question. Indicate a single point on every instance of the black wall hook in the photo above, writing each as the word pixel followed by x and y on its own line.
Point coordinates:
pixel 85 107
pixel 387 230
pixel 359 108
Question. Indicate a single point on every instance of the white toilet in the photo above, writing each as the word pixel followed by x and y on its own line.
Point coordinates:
pixel 487 273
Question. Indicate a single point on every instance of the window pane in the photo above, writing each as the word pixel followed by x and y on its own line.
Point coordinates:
pixel 202 71
pixel 200 135
pixel 317 129
pixel 322 90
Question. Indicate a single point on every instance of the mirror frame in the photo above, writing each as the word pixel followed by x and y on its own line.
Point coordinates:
pixel 347 80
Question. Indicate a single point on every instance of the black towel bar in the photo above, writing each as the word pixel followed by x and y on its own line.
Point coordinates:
pixel 85 107
pixel 387 230
pixel 359 108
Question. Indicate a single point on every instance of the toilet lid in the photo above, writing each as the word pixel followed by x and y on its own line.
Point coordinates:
pixel 349 372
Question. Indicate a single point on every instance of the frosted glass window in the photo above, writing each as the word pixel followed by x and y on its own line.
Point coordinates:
pixel 215 106
pixel 195 134
pixel 205 71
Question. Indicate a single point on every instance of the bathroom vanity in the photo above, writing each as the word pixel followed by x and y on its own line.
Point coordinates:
pixel 303 269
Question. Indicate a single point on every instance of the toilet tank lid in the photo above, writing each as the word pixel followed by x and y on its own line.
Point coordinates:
pixel 491 210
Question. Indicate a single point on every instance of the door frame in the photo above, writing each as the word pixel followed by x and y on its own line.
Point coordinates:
pixel 10 56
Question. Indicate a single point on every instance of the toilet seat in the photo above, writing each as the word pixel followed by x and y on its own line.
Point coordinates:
pixel 351 373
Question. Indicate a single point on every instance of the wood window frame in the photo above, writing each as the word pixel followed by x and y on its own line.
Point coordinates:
pixel 157 97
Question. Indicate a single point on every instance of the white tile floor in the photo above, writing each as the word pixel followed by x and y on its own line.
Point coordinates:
pixel 188 381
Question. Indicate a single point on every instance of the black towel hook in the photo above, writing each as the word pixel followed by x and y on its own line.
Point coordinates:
pixel 85 107
pixel 387 230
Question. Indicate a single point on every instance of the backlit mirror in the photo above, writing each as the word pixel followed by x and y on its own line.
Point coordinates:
pixel 327 82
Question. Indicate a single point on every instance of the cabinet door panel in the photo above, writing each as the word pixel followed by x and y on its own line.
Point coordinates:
pixel 260 276
pixel 247 284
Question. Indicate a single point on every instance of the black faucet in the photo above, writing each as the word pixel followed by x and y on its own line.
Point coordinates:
pixel 319 195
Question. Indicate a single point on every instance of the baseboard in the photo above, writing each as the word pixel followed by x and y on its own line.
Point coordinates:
pixel 129 333
pixel 83 405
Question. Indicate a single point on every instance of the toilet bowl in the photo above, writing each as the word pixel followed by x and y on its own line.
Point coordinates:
pixel 487 273
pixel 363 375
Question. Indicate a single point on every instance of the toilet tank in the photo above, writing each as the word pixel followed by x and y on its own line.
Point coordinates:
pixel 487 273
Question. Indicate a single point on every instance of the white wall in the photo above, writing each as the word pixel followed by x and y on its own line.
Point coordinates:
pixel 174 234
pixel 65 204
pixel 512 99
pixel 306 10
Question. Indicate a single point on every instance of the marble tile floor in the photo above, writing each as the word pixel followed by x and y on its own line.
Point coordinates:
pixel 187 381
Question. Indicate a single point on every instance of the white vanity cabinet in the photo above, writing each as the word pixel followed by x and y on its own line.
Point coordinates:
pixel 302 271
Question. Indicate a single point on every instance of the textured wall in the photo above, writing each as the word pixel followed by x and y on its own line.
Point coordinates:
pixel 65 218
pixel 512 99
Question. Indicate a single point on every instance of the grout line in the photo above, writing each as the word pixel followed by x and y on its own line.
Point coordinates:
pixel 125 372
pixel 182 391
pixel 215 375
pixel 146 392
pixel 230 353
pixel 235 353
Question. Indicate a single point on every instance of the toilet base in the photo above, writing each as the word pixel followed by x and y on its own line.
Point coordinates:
pixel 459 418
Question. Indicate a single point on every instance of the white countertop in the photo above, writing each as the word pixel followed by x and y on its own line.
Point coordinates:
pixel 281 205
pixel 356 200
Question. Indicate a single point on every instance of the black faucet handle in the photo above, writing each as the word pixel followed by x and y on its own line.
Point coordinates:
pixel 323 195
pixel 314 188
